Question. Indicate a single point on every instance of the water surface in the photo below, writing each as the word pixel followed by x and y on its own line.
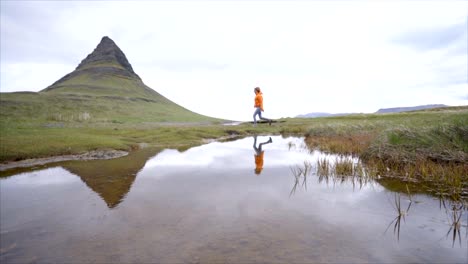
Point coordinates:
pixel 220 202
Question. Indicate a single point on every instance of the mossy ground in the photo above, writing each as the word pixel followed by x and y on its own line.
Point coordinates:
pixel 37 125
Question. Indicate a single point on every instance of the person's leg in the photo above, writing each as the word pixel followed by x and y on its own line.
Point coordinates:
pixel 260 114
pixel 258 150
pixel 261 117
pixel 264 118
pixel 257 112
pixel 264 143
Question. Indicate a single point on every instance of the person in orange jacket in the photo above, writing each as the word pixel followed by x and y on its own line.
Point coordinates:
pixel 258 156
pixel 259 106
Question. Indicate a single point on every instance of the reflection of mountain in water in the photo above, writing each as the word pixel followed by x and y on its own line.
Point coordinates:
pixel 111 179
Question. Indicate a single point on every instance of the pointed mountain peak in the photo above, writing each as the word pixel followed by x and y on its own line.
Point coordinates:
pixel 107 53
pixel 107 39
pixel 107 60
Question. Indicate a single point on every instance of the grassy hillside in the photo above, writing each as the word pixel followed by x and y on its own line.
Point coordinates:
pixel 90 105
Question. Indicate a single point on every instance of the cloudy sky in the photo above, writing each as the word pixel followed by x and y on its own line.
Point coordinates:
pixel 307 56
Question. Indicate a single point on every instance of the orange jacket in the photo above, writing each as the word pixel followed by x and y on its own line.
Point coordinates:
pixel 259 100
pixel 259 162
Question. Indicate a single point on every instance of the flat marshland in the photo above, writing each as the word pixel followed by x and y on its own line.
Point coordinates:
pixel 429 145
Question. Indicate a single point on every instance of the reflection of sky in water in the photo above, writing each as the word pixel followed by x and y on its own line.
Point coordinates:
pixel 238 154
pixel 237 157
pixel 50 176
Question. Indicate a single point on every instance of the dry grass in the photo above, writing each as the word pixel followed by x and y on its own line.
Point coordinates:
pixel 300 171
pixel 354 144
pixel 430 148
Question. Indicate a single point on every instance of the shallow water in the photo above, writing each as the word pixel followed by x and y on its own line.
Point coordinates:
pixel 217 203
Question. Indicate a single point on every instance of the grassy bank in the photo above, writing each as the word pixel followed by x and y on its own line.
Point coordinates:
pixel 33 141
pixel 426 146
pixel 439 136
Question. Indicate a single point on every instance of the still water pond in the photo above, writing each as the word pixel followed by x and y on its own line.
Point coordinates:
pixel 220 202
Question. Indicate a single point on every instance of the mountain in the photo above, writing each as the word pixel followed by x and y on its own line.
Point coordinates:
pixel 103 88
pixel 107 58
pixel 411 108
pixel 106 71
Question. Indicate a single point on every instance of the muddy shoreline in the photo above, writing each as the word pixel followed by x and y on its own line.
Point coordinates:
pixel 91 155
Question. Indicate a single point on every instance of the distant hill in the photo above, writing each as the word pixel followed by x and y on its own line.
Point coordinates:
pixel 103 88
pixel 380 111
pixel 412 108
pixel 322 114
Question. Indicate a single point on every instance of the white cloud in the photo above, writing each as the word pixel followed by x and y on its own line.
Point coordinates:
pixel 208 56
pixel 31 76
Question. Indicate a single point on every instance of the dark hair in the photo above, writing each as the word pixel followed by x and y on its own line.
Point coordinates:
pixel 257 89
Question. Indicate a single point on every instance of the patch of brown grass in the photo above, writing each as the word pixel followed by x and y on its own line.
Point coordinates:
pixel 354 144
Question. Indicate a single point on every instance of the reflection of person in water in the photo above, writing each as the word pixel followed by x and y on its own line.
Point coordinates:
pixel 259 154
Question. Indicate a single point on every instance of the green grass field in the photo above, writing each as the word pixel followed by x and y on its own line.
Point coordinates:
pixel 40 125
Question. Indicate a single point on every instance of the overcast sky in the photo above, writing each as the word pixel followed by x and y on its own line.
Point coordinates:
pixel 307 56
